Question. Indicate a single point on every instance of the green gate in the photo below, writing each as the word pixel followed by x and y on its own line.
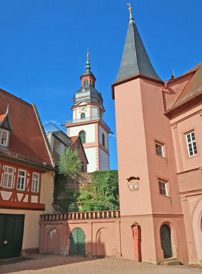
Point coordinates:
pixel 77 242
pixel 166 241
pixel 11 235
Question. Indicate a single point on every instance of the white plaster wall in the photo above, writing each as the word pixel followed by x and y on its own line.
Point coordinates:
pixel 104 160
pixel 89 129
pixel 58 146
pixel 50 140
pixel 91 154
pixel 94 111
pixel 101 130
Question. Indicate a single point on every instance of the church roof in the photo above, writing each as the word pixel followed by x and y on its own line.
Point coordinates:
pixel 87 94
pixel 135 59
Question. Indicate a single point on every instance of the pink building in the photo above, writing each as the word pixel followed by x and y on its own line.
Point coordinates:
pixel 159 149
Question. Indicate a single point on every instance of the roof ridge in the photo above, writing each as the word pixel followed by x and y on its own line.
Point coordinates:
pixel 18 98
pixel 181 92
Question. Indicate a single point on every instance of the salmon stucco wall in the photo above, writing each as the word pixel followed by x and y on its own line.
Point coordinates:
pixel 102 237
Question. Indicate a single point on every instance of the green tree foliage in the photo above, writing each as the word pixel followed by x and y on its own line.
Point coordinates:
pixel 69 163
pixel 101 194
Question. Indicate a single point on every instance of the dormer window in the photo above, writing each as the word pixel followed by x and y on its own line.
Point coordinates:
pixel 4 135
pixel 5 129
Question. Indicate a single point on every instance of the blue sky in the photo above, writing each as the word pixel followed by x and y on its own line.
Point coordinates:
pixel 43 48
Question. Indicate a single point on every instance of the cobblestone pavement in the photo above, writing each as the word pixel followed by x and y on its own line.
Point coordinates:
pixel 54 264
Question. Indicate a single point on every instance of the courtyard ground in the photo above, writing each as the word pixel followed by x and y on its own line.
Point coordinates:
pixel 78 265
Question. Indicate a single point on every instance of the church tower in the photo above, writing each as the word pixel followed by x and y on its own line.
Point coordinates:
pixel 88 122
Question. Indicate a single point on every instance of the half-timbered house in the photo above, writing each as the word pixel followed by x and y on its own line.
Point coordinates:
pixel 26 176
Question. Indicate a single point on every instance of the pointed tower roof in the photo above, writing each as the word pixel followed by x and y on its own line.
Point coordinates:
pixel 135 59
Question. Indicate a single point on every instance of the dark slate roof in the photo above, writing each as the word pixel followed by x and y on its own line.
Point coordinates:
pixel 135 59
pixel 87 94
pixel 87 73
pixel 62 137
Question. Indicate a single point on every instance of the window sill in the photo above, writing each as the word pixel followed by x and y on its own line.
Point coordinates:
pixel 20 190
pixel 164 195
pixel 6 188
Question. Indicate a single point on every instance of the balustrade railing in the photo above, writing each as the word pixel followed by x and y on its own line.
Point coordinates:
pixel 81 215
pixel 86 119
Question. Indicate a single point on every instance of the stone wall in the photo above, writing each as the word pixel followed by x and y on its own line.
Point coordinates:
pixel 68 184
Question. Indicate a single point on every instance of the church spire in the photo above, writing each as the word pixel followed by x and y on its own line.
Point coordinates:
pixel 135 59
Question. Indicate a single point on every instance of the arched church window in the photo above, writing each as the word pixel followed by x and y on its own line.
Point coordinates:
pixel 85 82
pixel 82 135
pixel 83 116
pixel 103 139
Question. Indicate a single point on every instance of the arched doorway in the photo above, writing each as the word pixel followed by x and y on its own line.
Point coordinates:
pixel 77 242
pixel 166 241
pixel 136 232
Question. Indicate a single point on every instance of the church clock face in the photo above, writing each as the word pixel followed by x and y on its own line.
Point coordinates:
pixel 83 109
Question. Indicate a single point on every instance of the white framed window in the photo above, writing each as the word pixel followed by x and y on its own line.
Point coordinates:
pixel 8 175
pixel 35 182
pixel 4 138
pixel 21 181
pixel 159 149
pixel 191 143
pixel 163 187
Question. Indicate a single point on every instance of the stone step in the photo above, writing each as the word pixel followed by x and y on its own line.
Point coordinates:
pixel 172 261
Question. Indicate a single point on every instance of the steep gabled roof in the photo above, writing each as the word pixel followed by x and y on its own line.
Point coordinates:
pixel 135 60
pixel 74 140
pixel 192 89
pixel 27 140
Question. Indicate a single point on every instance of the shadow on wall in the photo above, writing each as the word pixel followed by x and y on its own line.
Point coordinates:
pixel 78 240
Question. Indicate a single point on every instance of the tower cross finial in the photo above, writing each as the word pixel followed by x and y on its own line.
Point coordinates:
pixel 130 10
pixel 88 61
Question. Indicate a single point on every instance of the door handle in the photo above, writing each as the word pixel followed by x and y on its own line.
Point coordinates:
pixel 5 242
